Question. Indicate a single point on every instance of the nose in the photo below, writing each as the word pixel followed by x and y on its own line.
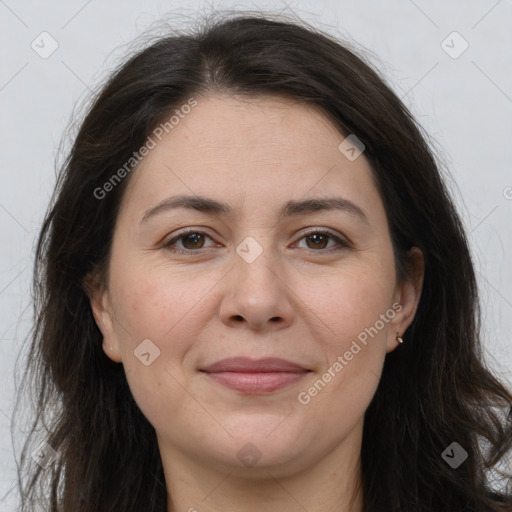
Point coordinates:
pixel 256 295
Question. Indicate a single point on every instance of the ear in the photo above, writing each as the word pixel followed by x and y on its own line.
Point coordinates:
pixel 407 294
pixel 101 306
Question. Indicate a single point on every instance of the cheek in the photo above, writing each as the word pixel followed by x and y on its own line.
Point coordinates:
pixel 172 307
pixel 169 308
pixel 158 303
pixel 351 300
pixel 355 312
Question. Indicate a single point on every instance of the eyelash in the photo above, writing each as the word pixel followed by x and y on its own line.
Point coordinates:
pixel 168 245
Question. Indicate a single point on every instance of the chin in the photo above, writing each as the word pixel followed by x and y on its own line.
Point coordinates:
pixel 264 444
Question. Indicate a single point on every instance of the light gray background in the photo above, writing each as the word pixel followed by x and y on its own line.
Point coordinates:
pixel 465 103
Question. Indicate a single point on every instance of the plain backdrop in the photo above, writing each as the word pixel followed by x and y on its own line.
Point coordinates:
pixel 462 98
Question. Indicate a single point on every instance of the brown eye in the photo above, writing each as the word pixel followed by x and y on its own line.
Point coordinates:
pixel 193 241
pixel 190 242
pixel 319 240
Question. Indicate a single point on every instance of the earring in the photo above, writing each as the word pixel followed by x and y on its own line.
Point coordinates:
pixel 399 339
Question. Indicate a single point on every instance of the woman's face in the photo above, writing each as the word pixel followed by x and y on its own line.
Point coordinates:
pixel 264 272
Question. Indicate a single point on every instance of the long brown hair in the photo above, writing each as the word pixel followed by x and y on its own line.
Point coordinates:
pixel 433 391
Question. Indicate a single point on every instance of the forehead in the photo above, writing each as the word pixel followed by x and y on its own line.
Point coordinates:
pixel 268 148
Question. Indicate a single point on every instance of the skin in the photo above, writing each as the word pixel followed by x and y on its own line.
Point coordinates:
pixel 299 301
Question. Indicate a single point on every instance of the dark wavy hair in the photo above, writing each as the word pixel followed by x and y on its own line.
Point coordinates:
pixel 434 390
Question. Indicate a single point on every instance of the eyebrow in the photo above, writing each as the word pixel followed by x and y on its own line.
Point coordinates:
pixel 291 208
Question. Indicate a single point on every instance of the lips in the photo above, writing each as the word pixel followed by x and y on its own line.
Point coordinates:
pixel 255 376
pixel 247 365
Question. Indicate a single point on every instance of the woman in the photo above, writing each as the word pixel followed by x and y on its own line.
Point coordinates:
pixel 254 292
